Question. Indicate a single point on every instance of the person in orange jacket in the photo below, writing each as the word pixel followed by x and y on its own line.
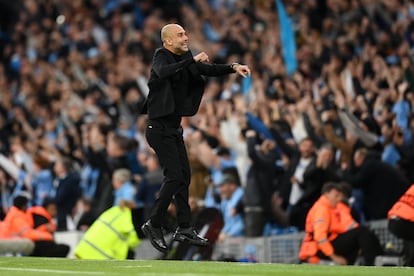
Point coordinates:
pixel 41 217
pixel 342 219
pixel 329 237
pixel 17 223
pixel 401 223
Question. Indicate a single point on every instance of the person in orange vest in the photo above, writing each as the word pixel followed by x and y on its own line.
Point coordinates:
pixel 18 223
pixel 342 219
pixel 41 217
pixel 331 238
pixel 401 223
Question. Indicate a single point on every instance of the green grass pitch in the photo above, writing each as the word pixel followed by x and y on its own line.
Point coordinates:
pixel 16 266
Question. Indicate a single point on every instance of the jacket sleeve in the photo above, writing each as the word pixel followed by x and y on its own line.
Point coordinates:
pixel 284 147
pixel 258 126
pixel 214 69
pixel 351 123
pixel 359 178
pixel 310 130
pixel 321 224
pixel 29 233
pixel 347 221
pixel 133 240
pixel 70 190
pixel 332 138
pixel 251 149
pixel 164 69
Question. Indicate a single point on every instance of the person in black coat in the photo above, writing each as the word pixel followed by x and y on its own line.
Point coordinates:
pixel 317 174
pixel 301 158
pixel 261 183
pixel 176 87
pixel 381 184
pixel 67 190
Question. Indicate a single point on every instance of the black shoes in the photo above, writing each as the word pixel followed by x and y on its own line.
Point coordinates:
pixel 189 235
pixel 155 235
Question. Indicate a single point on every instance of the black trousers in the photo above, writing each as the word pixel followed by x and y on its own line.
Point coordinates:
pixel 349 244
pixel 50 249
pixel 169 147
pixel 404 229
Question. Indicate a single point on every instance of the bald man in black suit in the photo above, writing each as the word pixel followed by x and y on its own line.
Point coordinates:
pixel 176 87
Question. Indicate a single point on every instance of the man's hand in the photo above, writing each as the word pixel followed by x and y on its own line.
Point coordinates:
pixel 201 57
pixel 338 259
pixel 50 228
pixel 242 70
pixel 326 116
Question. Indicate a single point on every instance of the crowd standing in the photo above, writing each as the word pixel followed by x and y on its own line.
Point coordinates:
pixel 73 82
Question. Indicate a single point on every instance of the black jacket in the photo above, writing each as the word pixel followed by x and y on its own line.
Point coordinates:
pixel 67 194
pixel 382 185
pixel 178 86
pixel 294 158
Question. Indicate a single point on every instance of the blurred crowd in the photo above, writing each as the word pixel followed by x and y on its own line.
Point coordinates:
pixel 73 81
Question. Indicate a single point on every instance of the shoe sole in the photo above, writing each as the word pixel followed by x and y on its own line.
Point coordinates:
pixel 147 234
pixel 183 238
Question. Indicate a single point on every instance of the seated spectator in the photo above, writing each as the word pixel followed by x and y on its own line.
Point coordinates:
pixel 42 217
pixel 326 237
pixel 111 236
pixel 17 223
pixel 401 223
pixel 231 195
pixel 41 183
pixel 123 188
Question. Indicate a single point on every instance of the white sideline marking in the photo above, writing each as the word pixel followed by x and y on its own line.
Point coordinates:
pixel 135 266
pixel 51 271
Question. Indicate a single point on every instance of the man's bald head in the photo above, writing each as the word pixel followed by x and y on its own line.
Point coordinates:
pixel 168 30
pixel 174 38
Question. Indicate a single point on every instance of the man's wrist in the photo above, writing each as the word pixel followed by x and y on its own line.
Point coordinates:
pixel 234 66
